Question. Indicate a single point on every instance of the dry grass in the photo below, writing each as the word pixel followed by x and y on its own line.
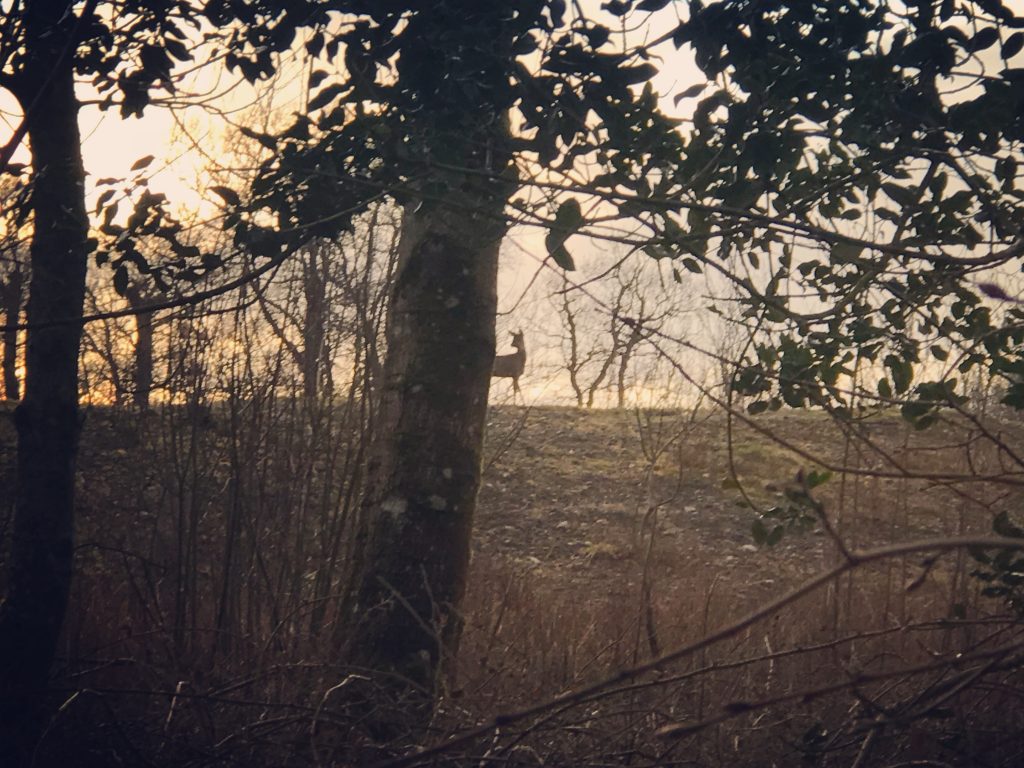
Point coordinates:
pixel 604 541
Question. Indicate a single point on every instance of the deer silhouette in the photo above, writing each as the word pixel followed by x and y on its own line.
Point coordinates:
pixel 511 366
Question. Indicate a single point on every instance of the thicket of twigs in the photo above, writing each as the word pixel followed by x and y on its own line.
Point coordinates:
pixel 213 535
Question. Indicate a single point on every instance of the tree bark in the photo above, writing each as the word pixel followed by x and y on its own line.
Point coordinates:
pixel 137 297
pixel 314 331
pixel 47 419
pixel 412 545
pixel 12 291
pixel 624 357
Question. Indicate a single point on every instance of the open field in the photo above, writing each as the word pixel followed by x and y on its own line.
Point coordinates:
pixel 604 540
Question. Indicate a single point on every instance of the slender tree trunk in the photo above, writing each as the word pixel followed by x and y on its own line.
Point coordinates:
pixel 137 297
pixel 573 365
pixel 412 548
pixel 143 360
pixel 606 366
pixel 624 358
pixel 12 313
pixel 314 288
pixel 47 419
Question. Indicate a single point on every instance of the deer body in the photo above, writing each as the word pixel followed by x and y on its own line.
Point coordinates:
pixel 511 366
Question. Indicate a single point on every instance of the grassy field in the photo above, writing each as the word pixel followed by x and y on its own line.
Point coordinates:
pixel 608 539
pixel 608 545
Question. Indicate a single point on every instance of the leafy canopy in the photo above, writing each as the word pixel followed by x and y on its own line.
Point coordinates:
pixel 862 159
pixel 523 93
pixel 851 166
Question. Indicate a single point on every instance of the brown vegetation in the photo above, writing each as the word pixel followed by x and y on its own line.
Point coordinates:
pixel 200 628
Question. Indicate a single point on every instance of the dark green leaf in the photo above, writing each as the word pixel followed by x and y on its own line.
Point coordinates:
pixel 326 96
pixel 1013 45
pixel 815 478
pixel 844 253
pixel 102 200
pixel 985 38
pixel 901 371
pixel 227 194
pixel 616 7
pixel 315 44
pixel 562 258
pixel 267 141
pixel 121 280
pixel 689 93
pixel 658 251
pixel 569 215
pixel 641 73
pixel 177 49
pixel 902 195
pixel 568 220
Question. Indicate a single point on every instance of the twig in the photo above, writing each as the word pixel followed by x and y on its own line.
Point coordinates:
pixel 857 559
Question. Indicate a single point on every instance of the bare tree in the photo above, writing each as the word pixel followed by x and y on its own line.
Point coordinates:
pixel 588 350
pixel 603 326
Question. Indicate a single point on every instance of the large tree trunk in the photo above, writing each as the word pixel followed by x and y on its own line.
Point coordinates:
pixel 412 547
pixel 47 419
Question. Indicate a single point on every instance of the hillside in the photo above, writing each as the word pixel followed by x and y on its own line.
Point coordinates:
pixel 567 492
